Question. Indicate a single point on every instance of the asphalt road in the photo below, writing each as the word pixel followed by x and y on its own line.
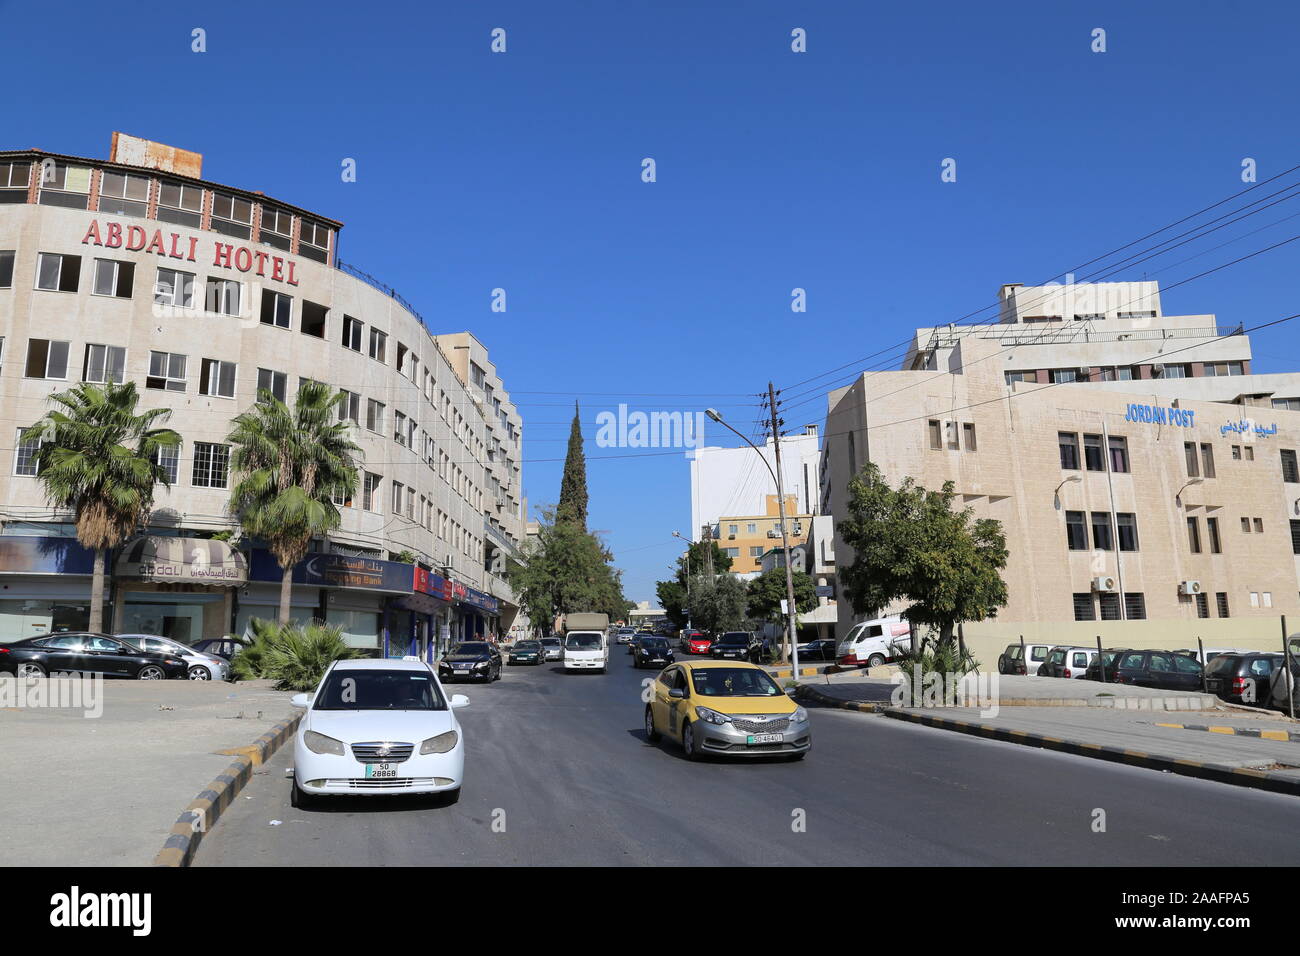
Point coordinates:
pixel 558 772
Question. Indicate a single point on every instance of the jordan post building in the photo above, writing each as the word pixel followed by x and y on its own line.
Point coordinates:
pixel 138 269
pixel 1143 507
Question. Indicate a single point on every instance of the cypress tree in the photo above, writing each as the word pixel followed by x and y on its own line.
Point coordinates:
pixel 572 508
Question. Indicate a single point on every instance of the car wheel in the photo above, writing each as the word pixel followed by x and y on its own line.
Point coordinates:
pixel 651 734
pixel 688 741
pixel 151 672
pixel 298 798
pixel 30 669
pixel 875 660
pixel 199 672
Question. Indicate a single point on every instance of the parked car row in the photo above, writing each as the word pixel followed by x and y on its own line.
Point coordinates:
pixel 135 656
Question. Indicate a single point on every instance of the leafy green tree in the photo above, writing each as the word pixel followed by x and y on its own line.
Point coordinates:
pixel 718 604
pixel 566 569
pixel 99 458
pixel 290 464
pixel 767 591
pixel 910 545
pixel 672 598
pixel 696 560
pixel 572 508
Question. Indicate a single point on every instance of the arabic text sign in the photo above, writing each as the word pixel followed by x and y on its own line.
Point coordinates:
pixel 1248 428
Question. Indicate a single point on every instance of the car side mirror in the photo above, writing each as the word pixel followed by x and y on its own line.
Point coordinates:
pixel 458 701
pixel 677 692
pixel 300 700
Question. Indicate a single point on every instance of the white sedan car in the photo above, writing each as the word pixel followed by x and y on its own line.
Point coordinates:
pixel 200 666
pixel 377 727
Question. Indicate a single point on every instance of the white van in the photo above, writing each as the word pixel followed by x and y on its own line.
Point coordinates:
pixel 872 643
pixel 586 651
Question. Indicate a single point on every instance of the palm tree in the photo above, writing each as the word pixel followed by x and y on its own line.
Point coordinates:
pixel 290 464
pixel 99 458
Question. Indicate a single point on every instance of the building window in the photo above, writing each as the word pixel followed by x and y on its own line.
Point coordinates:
pixel 121 194
pixel 1108 603
pixel 1194 535
pixel 1207 459
pixel 370 492
pixel 223 296
pixel 1212 528
pixel 378 345
pixel 397 497
pixel 968 435
pixel 1013 377
pixel 751 528
pixel 733 552
pixel 113 278
pixel 399 428
pixel 180 205
pixel 104 363
pixel 1202 605
pixel 1061 376
pixel 1245 525
pixel 168 459
pixel 1295 536
pixel 1193 463
pixel 375 415
pixel 1249 452
pixel 1069 444
pixel 954 441
pixel 232 216
pixel 1259 526
pixel 269 380
pixel 1290 403
pixel 1171 371
pixel 1076 533
pixel 166 371
pixel 276 228
pixel 211 464
pixel 936 434
pixel 756 552
pixel 56 273
pixel 1213 369
pixel 351 333
pixel 25 450
pixel 64 185
pixel 6 268
pixel 217 378
pixel 14 180
pixel 313 319
pixel 277 309
pixel 1118 454
pixel 350 407
pixel 1084 609
pixel 1135 606
pixel 1102 534
pixel 1126 530
pixel 1221 599
pixel 174 288
pixel 47 359
pixel 314 240
pixel 1236 453
pixel 1290 473
pixel 1092 453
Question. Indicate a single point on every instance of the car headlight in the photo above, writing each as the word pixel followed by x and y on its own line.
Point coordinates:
pixel 481 664
pixel 439 744
pixel 800 714
pixel 712 716
pixel 320 744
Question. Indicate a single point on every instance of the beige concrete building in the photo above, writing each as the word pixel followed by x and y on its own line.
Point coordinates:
pixel 746 538
pixel 203 294
pixel 1150 516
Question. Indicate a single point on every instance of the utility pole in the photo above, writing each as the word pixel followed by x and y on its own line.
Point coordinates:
pixel 785 532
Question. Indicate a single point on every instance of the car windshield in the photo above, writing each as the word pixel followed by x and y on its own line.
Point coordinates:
pixel 1223 664
pixel 550 642
pixel 470 648
pixel 583 642
pixel 734 639
pixel 733 682
pixel 653 643
pixel 356 689
pixel 527 646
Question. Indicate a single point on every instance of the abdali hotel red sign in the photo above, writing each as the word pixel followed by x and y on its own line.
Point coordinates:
pixel 225 255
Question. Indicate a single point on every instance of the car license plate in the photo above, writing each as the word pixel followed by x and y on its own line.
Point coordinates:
pixel 764 739
pixel 381 771
pixel 461 670
pixel 1212 685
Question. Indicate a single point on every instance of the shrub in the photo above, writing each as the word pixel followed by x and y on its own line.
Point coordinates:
pixel 294 656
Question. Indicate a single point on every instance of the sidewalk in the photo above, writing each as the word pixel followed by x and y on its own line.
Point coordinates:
pixel 1241 746
pixel 107 790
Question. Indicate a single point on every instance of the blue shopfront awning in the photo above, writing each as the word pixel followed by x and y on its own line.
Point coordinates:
pixel 336 571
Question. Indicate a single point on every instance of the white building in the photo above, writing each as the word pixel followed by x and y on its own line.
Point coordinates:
pixel 733 481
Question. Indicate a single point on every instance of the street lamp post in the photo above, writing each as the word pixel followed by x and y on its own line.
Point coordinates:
pixel 785 534
pixel 678 534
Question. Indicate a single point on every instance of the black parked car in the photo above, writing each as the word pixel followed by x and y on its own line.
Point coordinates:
pixel 527 652
pixel 737 645
pixel 817 651
pixel 471 660
pixel 1162 669
pixel 649 651
pixel 87 653
pixel 225 647
pixel 1236 677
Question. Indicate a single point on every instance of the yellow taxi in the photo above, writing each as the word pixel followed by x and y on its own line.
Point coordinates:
pixel 730 708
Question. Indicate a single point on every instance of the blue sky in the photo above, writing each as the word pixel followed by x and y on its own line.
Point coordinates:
pixel 775 170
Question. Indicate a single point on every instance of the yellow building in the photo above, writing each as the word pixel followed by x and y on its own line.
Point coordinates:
pixel 746 538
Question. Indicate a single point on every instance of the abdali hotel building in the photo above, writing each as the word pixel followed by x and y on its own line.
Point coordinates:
pixel 1145 477
pixel 202 294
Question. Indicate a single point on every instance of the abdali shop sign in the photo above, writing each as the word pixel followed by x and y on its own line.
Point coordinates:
pixel 225 255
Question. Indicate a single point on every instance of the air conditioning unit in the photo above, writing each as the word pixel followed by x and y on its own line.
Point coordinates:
pixel 1189 587
pixel 774 533
pixel 1103 584
pixel 1157 370
pixel 1085 371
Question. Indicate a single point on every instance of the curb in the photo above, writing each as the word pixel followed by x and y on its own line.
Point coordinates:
pixel 1114 703
pixel 1238 731
pixel 864 706
pixel 1237 776
pixel 805 671
pixel 206 809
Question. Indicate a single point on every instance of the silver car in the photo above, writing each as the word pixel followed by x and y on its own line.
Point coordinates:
pixel 554 648
pixel 199 666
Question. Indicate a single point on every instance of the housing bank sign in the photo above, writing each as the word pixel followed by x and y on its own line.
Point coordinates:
pixel 1161 415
